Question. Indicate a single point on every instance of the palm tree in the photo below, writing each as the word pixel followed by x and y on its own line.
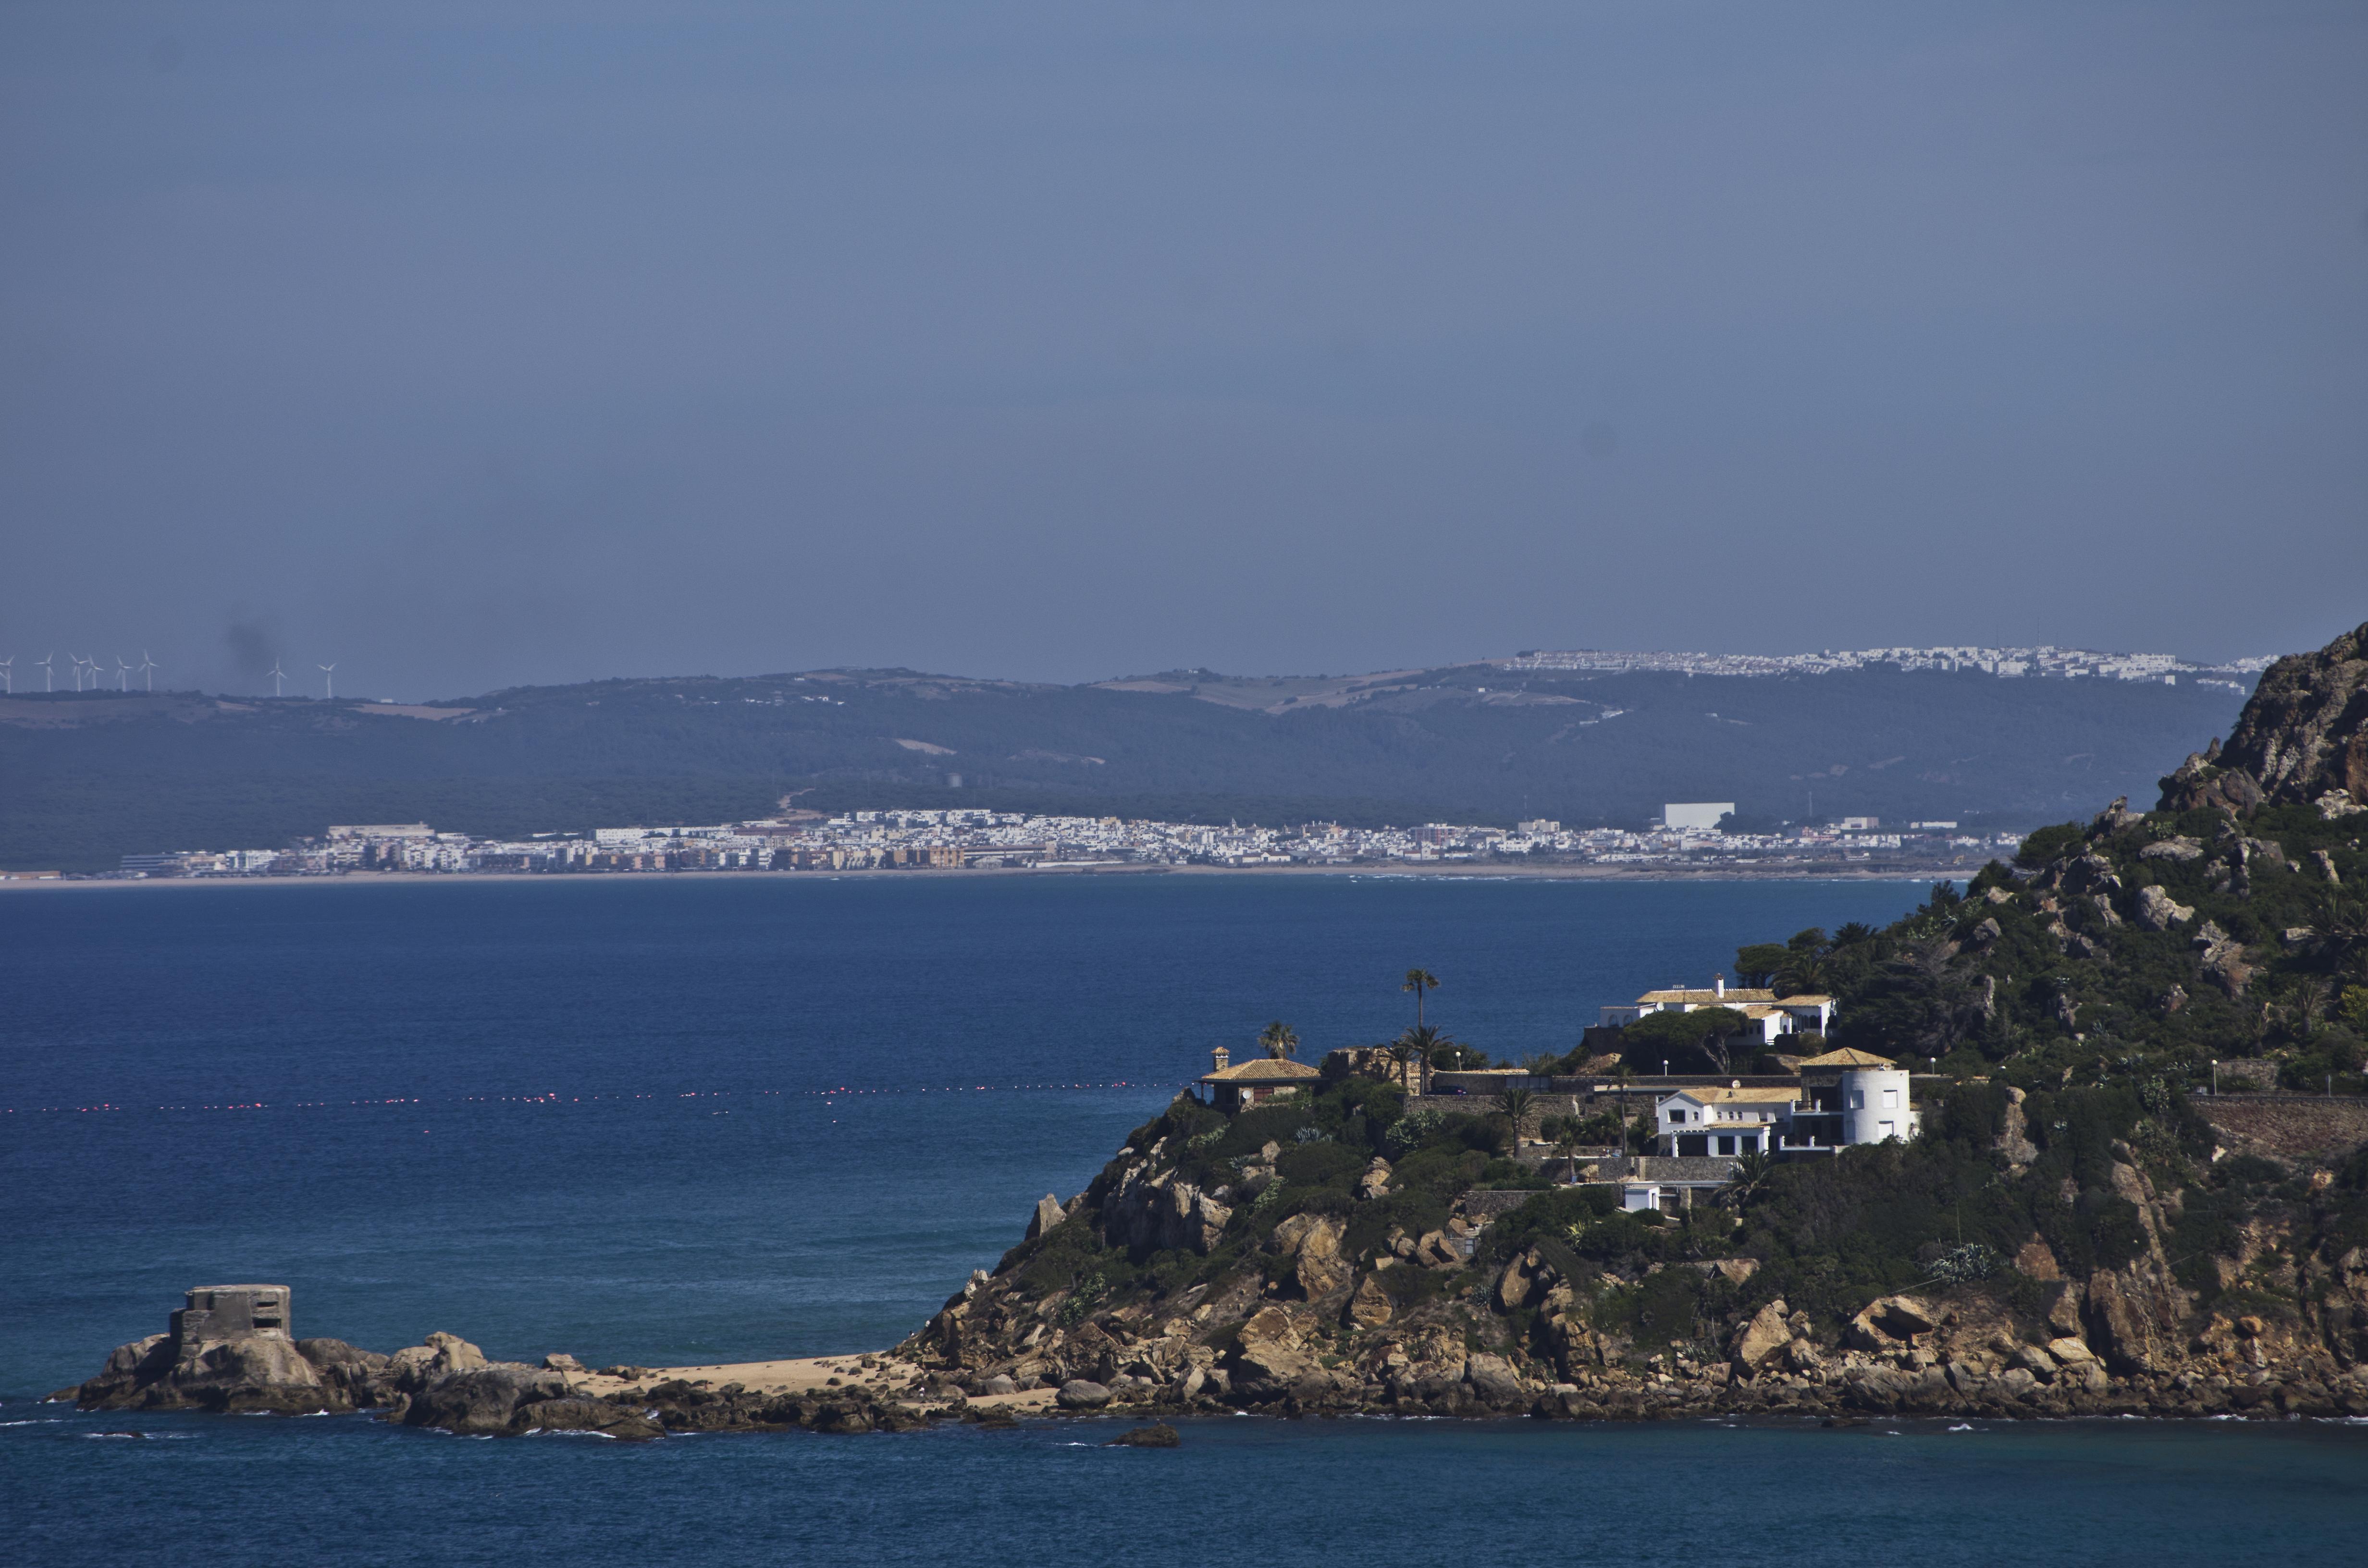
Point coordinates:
pixel 1518 1106
pixel 1419 980
pixel 1751 1173
pixel 1402 1057
pixel 1564 1132
pixel 1805 973
pixel 1279 1039
pixel 1424 1042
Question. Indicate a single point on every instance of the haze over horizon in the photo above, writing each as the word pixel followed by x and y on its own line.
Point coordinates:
pixel 516 343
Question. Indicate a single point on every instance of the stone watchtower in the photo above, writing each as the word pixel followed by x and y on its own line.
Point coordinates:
pixel 234 1311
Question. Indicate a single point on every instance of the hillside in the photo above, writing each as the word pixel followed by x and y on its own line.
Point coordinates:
pixel 2083 1228
pixel 92 776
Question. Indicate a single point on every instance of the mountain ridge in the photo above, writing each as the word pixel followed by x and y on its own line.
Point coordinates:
pixel 98 774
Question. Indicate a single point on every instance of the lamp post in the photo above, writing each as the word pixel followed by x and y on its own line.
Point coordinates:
pixel 2216 1077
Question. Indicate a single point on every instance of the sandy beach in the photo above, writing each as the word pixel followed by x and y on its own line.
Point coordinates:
pixel 813 1374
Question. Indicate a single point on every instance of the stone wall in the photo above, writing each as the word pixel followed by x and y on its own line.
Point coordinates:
pixel 2287 1127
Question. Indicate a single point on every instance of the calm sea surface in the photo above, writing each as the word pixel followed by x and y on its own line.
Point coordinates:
pixel 699 1119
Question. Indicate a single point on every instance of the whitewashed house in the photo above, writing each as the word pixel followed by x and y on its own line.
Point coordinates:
pixel 1845 1097
pixel 1774 1016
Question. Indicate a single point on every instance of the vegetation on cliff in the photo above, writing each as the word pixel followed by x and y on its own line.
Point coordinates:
pixel 2078 1229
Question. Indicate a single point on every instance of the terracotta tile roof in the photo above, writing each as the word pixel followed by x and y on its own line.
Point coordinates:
pixel 1706 997
pixel 1264 1069
pixel 1847 1058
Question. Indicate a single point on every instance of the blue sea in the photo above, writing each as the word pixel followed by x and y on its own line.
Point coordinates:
pixel 697 1119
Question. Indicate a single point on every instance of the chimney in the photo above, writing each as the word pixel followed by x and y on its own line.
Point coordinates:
pixel 1224 1058
pixel 1718 985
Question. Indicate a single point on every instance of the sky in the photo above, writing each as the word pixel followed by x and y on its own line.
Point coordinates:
pixel 473 345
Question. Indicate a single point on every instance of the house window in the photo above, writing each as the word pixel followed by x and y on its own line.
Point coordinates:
pixel 1891 1099
pixel 1888 1131
pixel 1857 1099
pixel 1727 1145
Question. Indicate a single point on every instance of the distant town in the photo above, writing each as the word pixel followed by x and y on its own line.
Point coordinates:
pixel 1687 839
pixel 2044 662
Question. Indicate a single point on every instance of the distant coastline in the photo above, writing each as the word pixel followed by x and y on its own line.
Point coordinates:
pixel 1560 874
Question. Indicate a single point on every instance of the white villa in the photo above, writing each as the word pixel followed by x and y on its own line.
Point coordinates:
pixel 1845 1097
pixel 1775 1016
pixel 1725 1122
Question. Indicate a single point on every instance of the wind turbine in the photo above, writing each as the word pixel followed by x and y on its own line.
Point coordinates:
pixel 8 672
pixel 49 671
pixel 77 663
pixel 122 674
pixel 278 675
pixel 329 681
pixel 148 668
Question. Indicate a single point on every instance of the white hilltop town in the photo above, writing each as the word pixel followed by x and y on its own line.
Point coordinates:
pixel 1687 840
pixel 2044 662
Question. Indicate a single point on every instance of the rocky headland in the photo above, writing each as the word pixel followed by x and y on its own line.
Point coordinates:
pixel 2141 1189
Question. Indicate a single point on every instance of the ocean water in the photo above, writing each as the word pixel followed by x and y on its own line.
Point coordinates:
pixel 710 1118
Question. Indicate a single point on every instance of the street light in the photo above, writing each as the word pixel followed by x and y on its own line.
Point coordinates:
pixel 2215 1076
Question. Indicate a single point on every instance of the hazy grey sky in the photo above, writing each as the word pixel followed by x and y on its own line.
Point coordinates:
pixel 474 345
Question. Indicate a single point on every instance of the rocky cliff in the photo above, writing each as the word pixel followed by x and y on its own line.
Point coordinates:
pixel 2302 736
pixel 1321 1299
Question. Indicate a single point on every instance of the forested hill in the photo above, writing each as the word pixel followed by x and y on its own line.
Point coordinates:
pixel 91 776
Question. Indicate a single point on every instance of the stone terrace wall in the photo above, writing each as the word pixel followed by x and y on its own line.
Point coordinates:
pixel 2287 1127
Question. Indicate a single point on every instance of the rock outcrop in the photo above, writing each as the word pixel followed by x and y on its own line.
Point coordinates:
pixel 2303 735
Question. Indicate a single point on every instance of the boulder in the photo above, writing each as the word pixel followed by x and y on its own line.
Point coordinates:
pixel 483 1400
pixel 560 1362
pixel 1494 1382
pixel 1762 1338
pixel 1375 1182
pixel 1158 1435
pixel 585 1415
pixel 1321 1270
pixel 2132 1319
pixel 1889 1319
pixel 2157 910
pixel 999 1383
pixel 2014 1131
pixel 128 1368
pixel 2223 959
pixel 1370 1306
pixel 844 1420
pixel 1048 1214
pixel 1152 1210
pixel 1433 1249
pixel 1270 1355
pixel 242 1369
pixel 1513 1286
pixel 358 1374
pixel 1078 1393
pixel 415 1367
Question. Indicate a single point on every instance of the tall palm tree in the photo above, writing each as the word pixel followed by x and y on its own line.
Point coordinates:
pixel 1279 1039
pixel 1518 1105
pixel 1419 980
pixel 1562 1132
pixel 1427 1043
